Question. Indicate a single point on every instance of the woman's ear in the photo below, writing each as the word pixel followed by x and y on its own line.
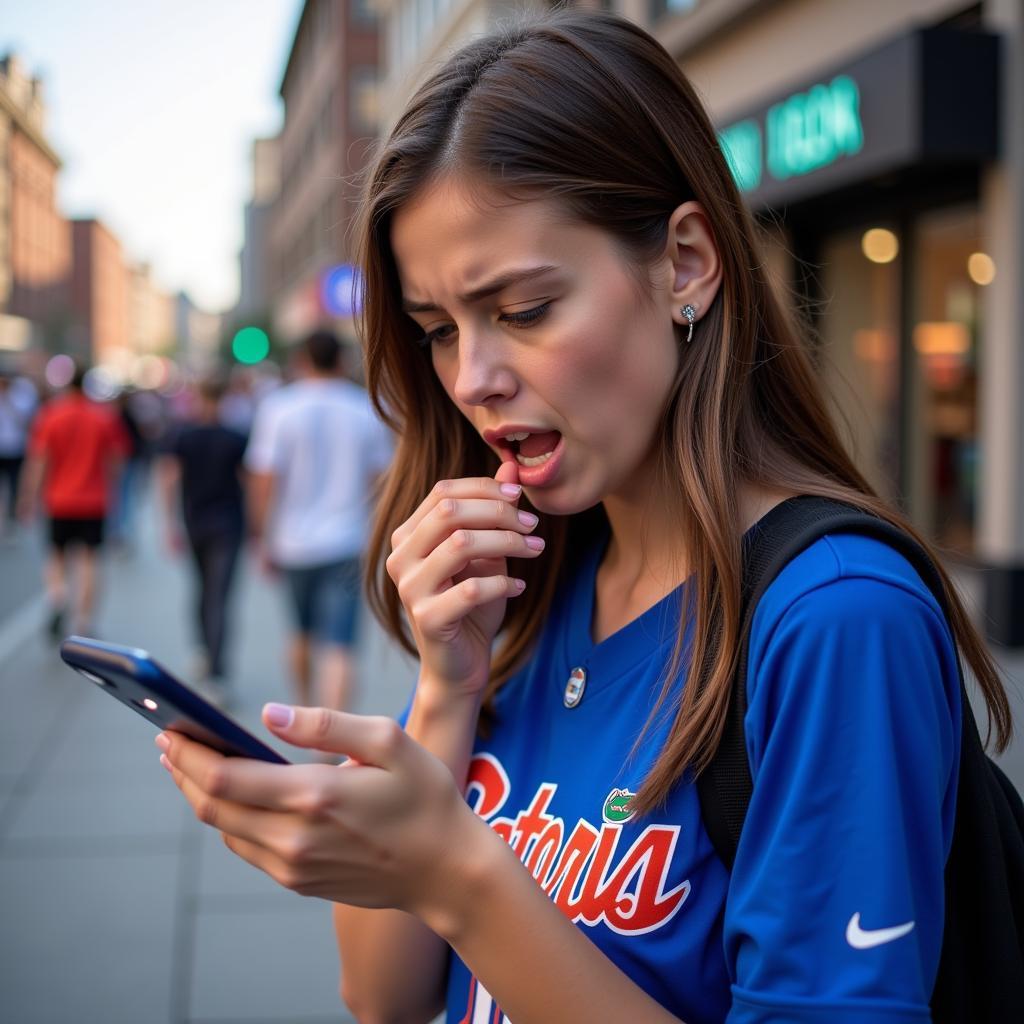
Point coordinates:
pixel 696 266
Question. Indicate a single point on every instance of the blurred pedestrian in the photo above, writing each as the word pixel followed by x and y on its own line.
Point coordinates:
pixel 314 455
pixel 75 454
pixel 199 477
pixel 238 406
pixel 133 472
pixel 17 406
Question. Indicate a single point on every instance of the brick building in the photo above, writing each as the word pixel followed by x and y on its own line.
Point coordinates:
pixel 35 242
pixel 329 90
pixel 99 294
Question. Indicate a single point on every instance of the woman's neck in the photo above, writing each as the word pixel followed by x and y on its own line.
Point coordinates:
pixel 642 564
pixel 645 552
pixel 645 559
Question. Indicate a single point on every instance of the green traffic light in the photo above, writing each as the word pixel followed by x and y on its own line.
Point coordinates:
pixel 250 345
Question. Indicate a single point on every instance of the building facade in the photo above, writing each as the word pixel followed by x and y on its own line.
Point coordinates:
pixel 151 313
pixel 99 295
pixel 881 145
pixel 419 33
pixel 197 334
pixel 329 90
pixel 254 271
pixel 35 240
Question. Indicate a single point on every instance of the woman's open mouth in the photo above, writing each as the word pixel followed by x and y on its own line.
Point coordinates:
pixel 533 449
pixel 537 454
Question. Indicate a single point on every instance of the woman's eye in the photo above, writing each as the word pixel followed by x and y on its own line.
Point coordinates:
pixel 446 333
pixel 527 317
pixel 439 335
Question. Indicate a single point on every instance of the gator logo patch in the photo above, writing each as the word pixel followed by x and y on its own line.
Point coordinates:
pixel 616 807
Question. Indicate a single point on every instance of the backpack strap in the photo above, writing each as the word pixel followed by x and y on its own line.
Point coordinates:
pixel 725 786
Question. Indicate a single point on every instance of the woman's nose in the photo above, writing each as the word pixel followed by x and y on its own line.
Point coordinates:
pixel 484 374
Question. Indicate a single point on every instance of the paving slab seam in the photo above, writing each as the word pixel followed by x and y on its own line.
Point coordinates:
pixel 258 903
pixel 186 910
pixel 62 848
pixel 63 719
pixel 25 622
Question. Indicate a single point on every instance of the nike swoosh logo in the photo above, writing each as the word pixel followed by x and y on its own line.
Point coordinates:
pixel 861 939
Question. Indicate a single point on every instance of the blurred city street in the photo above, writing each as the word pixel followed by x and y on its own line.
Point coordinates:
pixel 118 906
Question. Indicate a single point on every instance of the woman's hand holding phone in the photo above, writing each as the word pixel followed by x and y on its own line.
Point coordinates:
pixel 388 828
pixel 449 561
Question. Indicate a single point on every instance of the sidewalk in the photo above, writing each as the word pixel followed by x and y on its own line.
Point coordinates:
pixel 117 905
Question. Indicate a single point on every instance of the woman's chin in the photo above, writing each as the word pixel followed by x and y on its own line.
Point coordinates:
pixel 560 501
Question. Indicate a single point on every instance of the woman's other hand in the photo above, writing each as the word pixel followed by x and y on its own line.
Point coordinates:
pixel 388 828
pixel 449 561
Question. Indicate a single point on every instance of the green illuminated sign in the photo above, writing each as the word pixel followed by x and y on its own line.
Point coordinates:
pixel 814 128
pixel 250 345
pixel 741 144
pixel 805 132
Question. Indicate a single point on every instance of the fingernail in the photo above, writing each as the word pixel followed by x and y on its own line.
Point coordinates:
pixel 166 763
pixel 162 741
pixel 537 543
pixel 279 714
pixel 511 490
pixel 528 519
pixel 520 585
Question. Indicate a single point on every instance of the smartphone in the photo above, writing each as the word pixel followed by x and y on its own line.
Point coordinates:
pixel 131 676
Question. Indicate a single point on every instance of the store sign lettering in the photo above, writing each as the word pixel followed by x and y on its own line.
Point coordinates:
pixel 741 143
pixel 805 132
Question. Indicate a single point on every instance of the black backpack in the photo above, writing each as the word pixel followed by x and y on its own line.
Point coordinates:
pixel 981 969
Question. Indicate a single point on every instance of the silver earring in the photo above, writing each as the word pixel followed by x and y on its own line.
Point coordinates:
pixel 690 313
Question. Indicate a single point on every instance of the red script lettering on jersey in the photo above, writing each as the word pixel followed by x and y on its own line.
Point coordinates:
pixel 584 872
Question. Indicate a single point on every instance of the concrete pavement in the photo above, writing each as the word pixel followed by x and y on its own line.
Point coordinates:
pixel 116 905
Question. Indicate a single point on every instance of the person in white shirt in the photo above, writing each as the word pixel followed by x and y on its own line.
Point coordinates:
pixel 314 456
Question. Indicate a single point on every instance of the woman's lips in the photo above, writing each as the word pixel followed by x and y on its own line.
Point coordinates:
pixel 538 442
pixel 545 472
pixel 530 476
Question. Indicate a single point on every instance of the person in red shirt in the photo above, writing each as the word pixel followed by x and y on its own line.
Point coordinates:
pixel 74 457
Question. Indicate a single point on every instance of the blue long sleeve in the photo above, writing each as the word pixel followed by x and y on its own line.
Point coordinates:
pixel 835 906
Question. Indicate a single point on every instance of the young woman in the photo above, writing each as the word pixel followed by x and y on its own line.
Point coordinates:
pixel 597 393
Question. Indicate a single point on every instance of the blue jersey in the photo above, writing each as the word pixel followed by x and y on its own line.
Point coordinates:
pixel 834 908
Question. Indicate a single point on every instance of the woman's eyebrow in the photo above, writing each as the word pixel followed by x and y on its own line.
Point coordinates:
pixel 492 287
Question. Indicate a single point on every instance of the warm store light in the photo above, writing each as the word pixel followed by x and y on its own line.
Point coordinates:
pixel 981 267
pixel 880 245
pixel 942 338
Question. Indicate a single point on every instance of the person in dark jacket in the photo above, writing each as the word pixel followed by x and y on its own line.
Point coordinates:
pixel 199 473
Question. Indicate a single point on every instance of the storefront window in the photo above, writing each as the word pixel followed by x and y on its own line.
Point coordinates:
pixel 860 278
pixel 950 271
pixel 902 366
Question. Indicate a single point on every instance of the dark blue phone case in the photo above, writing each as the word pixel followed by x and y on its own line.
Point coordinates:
pixel 133 677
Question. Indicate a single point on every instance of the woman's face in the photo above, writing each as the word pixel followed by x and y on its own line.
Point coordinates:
pixel 536 325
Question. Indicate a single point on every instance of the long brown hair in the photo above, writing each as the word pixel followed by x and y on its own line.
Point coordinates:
pixel 587 109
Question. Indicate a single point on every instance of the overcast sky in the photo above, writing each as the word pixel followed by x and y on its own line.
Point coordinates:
pixel 152 105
